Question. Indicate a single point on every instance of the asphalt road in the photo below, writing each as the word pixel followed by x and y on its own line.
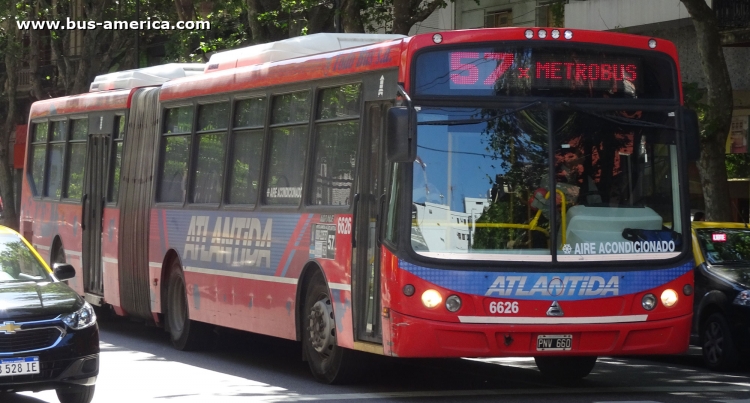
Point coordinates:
pixel 139 365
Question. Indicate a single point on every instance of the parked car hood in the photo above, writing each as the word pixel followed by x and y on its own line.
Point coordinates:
pixel 736 273
pixel 32 299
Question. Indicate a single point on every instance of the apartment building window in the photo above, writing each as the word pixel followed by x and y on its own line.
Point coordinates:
pixel 496 19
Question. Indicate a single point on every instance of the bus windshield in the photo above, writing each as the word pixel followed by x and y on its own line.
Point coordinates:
pixel 483 185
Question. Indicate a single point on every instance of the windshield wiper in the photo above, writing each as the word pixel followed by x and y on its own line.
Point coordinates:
pixel 460 122
pixel 620 120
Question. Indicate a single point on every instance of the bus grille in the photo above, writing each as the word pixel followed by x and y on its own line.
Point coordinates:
pixel 29 340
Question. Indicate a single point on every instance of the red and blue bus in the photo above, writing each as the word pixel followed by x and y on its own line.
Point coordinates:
pixel 481 193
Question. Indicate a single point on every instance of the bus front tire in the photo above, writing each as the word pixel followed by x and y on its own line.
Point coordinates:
pixel 329 362
pixel 185 334
pixel 565 368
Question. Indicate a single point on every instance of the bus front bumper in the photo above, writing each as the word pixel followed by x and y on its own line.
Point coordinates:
pixel 416 337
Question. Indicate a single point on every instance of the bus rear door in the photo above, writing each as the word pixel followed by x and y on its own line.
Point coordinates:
pixel 94 200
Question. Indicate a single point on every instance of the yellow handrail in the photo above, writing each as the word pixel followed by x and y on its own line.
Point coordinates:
pixel 532 225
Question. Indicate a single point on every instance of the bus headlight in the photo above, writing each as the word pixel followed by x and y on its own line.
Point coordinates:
pixel 743 298
pixel 649 302
pixel 669 298
pixel 431 298
pixel 453 303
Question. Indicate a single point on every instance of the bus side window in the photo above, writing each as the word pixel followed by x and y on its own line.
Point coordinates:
pixel 174 152
pixel 246 150
pixel 76 159
pixel 286 164
pixel 56 159
pixel 209 167
pixel 114 176
pixel 337 129
pixel 38 156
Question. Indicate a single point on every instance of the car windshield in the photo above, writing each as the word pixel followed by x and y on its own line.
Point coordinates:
pixel 481 178
pixel 724 246
pixel 18 263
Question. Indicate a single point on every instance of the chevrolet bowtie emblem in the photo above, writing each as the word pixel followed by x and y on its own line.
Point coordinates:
pixel 9 327
pixel 555 310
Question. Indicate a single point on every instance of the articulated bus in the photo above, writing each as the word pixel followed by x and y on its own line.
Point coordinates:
pixel 483 193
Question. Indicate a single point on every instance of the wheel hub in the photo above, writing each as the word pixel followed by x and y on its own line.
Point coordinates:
pixel 322 326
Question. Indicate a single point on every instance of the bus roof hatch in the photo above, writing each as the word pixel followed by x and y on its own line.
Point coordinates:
pixel 291 48
pixel 155 75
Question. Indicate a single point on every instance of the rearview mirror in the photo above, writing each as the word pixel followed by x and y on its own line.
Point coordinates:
pixel 691 133
pixel 400 139
pixel 64 271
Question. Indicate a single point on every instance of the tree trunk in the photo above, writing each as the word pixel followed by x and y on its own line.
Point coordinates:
pixel 254 8
pixel 711 166
pixel 319 19
pixel 351 17
pixel 401 17
pixel 7 189
pixel 406 13
pixel 185 10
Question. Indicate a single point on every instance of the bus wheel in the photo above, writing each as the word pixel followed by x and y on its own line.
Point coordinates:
pixel 329 362
pixel 719 352
pixel 565 368
pixel 185 334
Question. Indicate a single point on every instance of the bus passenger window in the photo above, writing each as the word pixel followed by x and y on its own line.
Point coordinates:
pixel 56 159
pixel 246 150
pixel 286 165
pixel 77 159
pixel 116 161
pixel 209 168
pixel 336 145
pixel 175 141
pixel 38 156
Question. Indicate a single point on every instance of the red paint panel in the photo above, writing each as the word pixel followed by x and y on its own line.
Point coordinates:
pixel 416 337
pixel 298 70
pixel 255 306
pixel 82 103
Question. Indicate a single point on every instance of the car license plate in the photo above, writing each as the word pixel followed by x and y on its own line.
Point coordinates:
pixel 554 342
pixel 19 366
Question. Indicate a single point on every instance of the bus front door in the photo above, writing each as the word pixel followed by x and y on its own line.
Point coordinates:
pixel 93 209
pixel 370 191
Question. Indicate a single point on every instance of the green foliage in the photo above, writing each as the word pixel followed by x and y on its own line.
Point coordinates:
pixel 557 9
pixel 511 210
pixel 228 31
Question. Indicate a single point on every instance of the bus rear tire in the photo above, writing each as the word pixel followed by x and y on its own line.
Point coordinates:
pixel 565 368
pixel 185 334
pixel 329 362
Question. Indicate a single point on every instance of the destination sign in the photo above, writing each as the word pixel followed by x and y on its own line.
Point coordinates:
pixel 478 70
pixel 535 71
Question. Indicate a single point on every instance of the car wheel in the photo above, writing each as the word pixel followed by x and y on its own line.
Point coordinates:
pixel 565 368
pixel 328 362
pixel 76 394
pixel 185 334
pixel 719 352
